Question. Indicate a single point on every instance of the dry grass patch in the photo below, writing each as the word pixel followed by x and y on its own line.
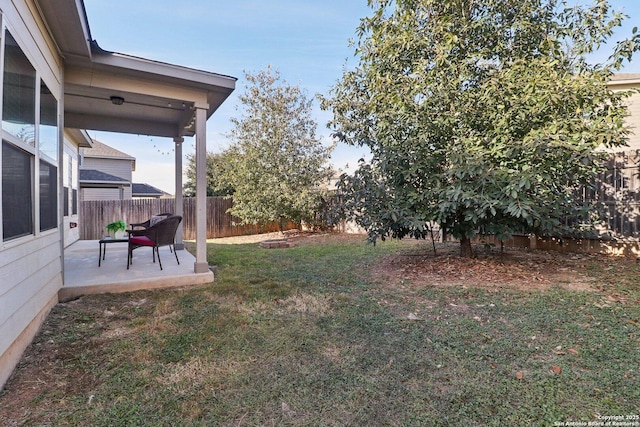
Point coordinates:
pixel 299 303
pixel 305 303
pixel 198 372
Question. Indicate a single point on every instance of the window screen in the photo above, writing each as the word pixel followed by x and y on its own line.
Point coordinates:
pixel 17 205
pixel 18 93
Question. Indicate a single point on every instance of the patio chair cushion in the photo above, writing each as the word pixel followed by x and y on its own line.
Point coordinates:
pixel 151 221
pixel 155 219
pixel 141 241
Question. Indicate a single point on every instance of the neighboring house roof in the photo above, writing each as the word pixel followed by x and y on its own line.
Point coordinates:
pixel 92 176
pixel 101 150
pixel 146 190
pixel 624 80
pixel 625 76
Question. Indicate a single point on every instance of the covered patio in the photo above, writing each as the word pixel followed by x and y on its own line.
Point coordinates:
pixel 83 276
pixel 109 91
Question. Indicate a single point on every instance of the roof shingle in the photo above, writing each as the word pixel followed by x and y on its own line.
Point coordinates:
pixel 100 149
pixel 138 189
pixel 92 175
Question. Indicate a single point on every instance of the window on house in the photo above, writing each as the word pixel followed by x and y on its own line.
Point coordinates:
pixel 74 202
pixel 48 153
pixel 74 186
pixel 66 181
pixel 18 93
pixel 17 205
pixel 22 156
pixel 18 124
pixel 48 196
pixel 48 128
pixel 66 201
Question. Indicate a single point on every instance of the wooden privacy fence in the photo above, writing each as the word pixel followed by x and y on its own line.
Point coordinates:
pixel 618 191
pixel 616 196
pixel 95 215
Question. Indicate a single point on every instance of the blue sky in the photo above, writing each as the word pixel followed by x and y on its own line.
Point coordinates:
pixel 307 41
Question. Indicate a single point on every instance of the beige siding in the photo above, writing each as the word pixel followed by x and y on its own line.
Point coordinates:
pixel 30 277
pixel 11 357
pixel 630 82
pixel 31 266
pixel 26 274
pixel 89 194
pixel 120 168
pixel 70 180
pixel 634 121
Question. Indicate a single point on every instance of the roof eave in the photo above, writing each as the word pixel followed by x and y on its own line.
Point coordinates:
pixel 624 79
pixel 219 86
pixel 81 137
pixel 162 69
pixel 102 156
pixel 155 84
pixel 98 182
pixel 68 24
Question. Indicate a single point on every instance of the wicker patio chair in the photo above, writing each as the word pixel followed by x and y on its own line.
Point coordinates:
pixel 148 223
pixel 162 233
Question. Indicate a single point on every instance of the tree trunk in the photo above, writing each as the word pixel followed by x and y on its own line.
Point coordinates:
pixel 465 247
pixel 433 241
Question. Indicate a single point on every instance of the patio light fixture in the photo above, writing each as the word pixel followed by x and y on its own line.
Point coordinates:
pixel 117 100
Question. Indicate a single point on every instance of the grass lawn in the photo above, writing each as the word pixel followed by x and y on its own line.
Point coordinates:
pixel 337 332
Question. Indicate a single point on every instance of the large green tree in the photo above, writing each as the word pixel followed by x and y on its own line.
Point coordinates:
pixel 217 168
pixel 277 167
pixel 478 114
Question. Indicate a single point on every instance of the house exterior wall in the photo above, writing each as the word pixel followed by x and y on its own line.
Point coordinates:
pixel 90 194
pixel 633 105
pixel 30 265
pixel 121 168
pixel 70 182
pixel 634 121
pixel 116 167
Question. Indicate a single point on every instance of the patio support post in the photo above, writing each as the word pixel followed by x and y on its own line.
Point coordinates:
pixel 179 201
pixel 201 264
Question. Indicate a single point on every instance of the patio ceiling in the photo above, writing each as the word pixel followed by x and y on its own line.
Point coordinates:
pixel 159 99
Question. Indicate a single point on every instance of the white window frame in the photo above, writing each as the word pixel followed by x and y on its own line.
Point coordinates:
pixel 32 150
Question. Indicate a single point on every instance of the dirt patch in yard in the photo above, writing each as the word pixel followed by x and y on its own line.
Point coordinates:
pixel 297 236
pixel 239 240
pixel 514 268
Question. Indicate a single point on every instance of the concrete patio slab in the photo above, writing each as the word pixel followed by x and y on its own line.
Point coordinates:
pixel 82 276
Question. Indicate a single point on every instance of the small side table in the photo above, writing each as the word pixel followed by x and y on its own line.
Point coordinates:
pixel 103 246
